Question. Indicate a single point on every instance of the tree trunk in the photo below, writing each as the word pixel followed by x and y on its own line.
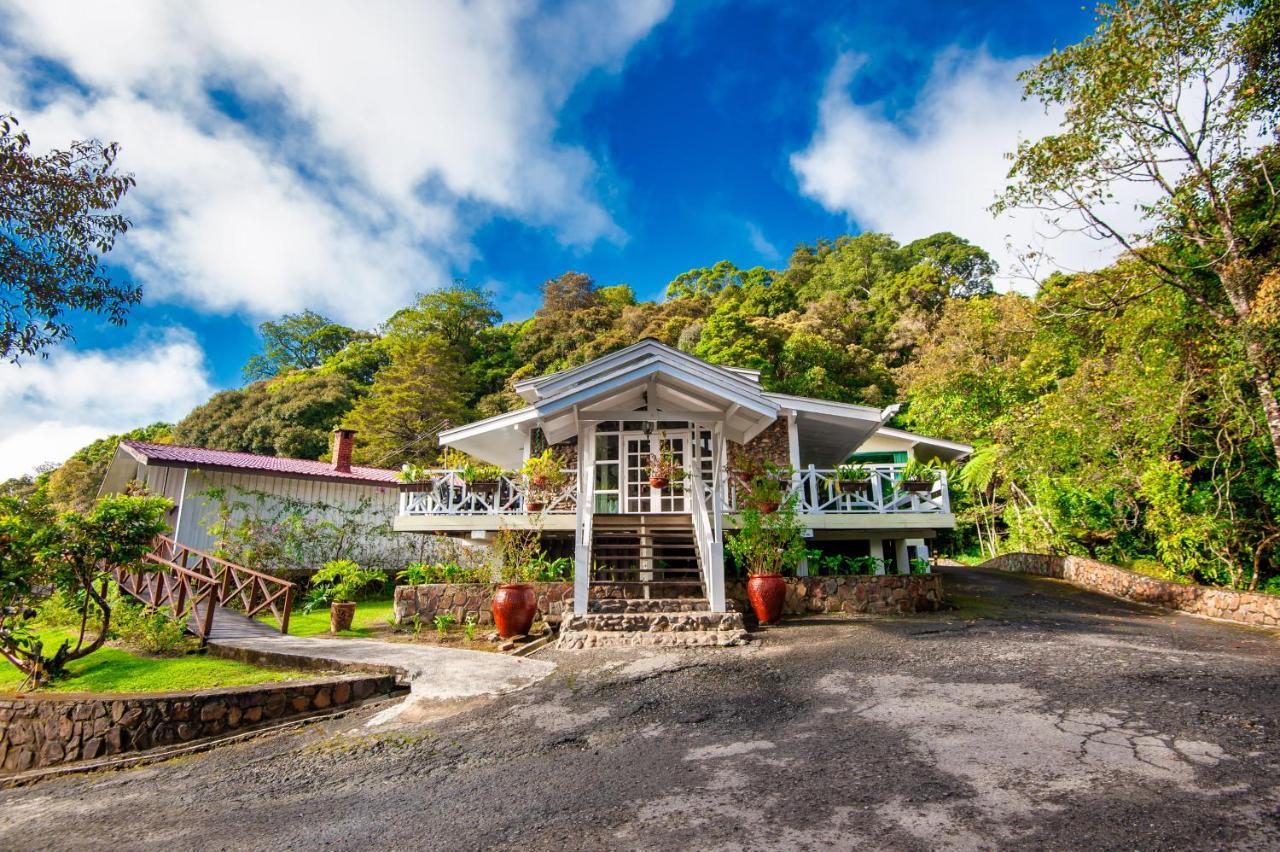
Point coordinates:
pixel 1263 381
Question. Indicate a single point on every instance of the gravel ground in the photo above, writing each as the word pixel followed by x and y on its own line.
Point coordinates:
pixel 1033 716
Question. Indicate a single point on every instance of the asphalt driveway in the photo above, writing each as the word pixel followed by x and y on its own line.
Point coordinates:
pixel 1033 716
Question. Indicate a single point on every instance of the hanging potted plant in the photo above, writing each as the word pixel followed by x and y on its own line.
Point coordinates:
pixel 663 468
pixel 768 545
pixel 853 479
pixel 544 477
pixel 337 584
pixel 514 602
pixel 918 477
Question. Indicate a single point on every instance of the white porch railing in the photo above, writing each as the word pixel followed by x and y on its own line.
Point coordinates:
pixel 444 492
pixel 821 493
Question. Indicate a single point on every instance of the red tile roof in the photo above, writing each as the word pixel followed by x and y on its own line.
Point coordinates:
pixel 201 458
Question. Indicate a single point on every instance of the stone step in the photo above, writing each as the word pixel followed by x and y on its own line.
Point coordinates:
pixel 621 605
pixel 679 628
pixel 683 628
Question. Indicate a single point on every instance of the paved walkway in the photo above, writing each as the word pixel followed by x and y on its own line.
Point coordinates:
pixel 433 674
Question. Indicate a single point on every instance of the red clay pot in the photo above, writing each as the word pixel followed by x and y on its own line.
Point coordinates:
pixel 534 505
pixel 340 615
pixel 514 606
pixel 767 592
pixel 659 481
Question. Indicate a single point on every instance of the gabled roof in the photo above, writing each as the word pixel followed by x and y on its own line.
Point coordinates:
pixel 196 457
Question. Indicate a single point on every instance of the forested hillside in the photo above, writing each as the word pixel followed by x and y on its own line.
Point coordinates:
pixel 1124 428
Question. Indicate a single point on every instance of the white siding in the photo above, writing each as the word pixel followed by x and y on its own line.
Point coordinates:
pixel 199 511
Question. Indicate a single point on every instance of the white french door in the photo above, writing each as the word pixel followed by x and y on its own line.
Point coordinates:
pixel 639 497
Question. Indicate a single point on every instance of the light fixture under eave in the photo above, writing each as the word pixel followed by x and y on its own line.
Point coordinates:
pixel 648 428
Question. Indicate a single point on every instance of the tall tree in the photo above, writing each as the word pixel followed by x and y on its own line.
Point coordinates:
pixel 298 342
pixel 56 223
pixel 423 390
pixel 1163 97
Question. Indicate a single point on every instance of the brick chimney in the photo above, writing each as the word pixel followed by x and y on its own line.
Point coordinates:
pixel 343 442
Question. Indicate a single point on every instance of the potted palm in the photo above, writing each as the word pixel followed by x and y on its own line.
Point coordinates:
pixel 768 545
pixel 514 601
pixel 663 468
pixel 918 476
pixel 544 476
pixel 338 583
pixel 853 479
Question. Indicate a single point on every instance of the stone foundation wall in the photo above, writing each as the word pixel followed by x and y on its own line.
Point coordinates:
pixel 890 594
pixel 43 730
pixel 466 599
pixel 1251 608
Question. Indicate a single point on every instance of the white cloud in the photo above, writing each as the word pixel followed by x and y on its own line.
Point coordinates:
pixel 939 166
pixel 383 134
pixel 54 407
pixel 761 244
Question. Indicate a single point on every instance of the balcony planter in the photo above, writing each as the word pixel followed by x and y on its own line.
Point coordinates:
pixel 849 486
pixel 485 486
pixel 514 607
pixel 534 505
pixel 767 593
pixel 416 487
pixel 659 482
pixel 916 485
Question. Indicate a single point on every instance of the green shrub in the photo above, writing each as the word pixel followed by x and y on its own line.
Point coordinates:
pixel 149 631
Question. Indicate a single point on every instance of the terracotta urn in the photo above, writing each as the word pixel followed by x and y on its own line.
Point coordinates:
pixel 340 615
pixel 514 606
pixel 767 593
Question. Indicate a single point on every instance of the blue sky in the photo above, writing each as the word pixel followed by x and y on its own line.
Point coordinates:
pixel 294 155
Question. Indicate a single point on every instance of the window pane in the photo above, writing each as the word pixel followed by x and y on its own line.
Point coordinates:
pixel 606 477
pixel 607 504
pixel 606 447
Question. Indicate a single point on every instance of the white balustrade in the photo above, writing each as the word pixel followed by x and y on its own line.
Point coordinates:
pixel 444 492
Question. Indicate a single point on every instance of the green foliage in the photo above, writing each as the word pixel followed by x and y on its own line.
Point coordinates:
pixel 56 223
pixel 75 554
pixel 343 579
pixel 443 622
pixel 149 631
pixel 422 573
pixel 469 627
pixel 546 570
pixel 298 342
pixel 768 542
pixel 544 475
pixel 291 416
pixel 517 553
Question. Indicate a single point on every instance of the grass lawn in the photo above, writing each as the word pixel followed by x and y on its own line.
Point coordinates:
pixel 371 618
pixel 116 670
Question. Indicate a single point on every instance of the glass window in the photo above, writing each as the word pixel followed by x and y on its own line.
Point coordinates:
pixel 606 447
pixel 606 477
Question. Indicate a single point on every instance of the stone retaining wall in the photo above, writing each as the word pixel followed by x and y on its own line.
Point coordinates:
pixel 888 594
pixel 1251 608
pixel 48 729
pixel 466 599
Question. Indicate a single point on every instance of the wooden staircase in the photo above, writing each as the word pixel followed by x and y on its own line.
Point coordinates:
pixel 646 556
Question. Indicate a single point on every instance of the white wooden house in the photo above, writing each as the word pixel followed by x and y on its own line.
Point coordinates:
pixel 609 416
pixel 190 475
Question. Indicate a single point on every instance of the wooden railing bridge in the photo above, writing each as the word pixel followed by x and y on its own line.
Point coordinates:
pixel 192 584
